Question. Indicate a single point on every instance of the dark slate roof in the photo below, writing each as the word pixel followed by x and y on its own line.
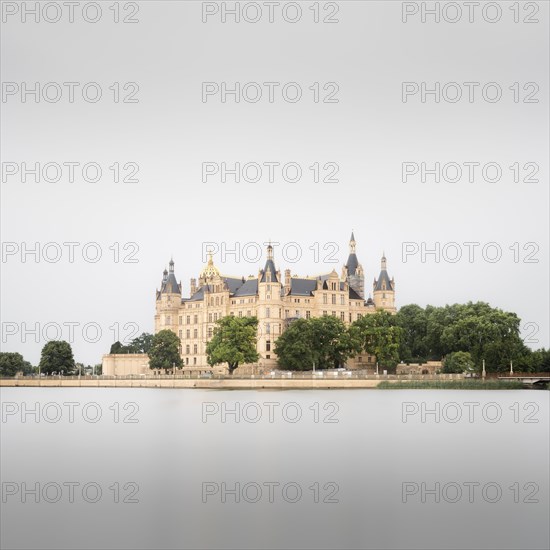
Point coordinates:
pixel 302 287
pixel 352 264
pixel 233 283
pixel 269 266
pixel 170 285
pixel 249 288
pixel 198 296
pixel 370 301
pixel 383 277
pixel 353 295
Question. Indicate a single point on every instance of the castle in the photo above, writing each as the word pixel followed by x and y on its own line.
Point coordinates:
pixel 274 301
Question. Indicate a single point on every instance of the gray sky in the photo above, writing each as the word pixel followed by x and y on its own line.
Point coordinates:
pixel 171 131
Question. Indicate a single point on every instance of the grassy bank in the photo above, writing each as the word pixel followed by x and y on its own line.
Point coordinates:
pixel 466 384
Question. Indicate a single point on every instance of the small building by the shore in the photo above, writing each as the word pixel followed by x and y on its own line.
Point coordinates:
pixel 430 367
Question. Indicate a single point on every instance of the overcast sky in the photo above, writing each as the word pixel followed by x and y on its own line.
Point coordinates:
pixel 363 137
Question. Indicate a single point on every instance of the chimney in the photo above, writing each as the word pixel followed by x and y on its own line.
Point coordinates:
pixel 193 286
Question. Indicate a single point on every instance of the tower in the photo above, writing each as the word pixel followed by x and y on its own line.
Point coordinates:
pixel 269 310
pixel 383 289
pixel 353 270
pixel 168 301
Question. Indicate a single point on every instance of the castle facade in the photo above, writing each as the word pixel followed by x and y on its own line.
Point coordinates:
pixel 274 300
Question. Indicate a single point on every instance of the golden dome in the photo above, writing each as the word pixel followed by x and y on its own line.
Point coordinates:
pixel 209 270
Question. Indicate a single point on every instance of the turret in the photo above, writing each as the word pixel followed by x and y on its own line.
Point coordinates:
pixel 353 270
pixel 383 289
pixel 168 300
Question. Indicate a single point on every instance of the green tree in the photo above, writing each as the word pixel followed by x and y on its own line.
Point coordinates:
pixel 320 342
pixel 57 357
pixel 295 346
pixel 164 352
pixel 142 343
pixel 117 347
pixel 12 363
pixel 413 347
pixel 233 342
pixel 458 362
pixel 378 334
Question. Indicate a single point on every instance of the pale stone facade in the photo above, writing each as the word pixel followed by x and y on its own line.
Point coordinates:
pixel 274 300
pixel 123 364
pixel 430 367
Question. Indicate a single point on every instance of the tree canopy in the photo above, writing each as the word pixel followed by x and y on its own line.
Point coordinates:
pixel 233 342
pixel 164 352
pixel 57 357
pixel 378 334
pixel 320 342
pixel 140 344
pixel 12 363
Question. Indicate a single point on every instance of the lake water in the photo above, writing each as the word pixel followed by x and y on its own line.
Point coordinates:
pixel 165 468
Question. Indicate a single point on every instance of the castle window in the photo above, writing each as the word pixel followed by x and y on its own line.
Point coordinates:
pixel 268 345
pixel 325 313
pixel 217 301
pixel 188 334
pixel 240 313
pixel 359 315
pixel 180 320
pixel 334 313
pixel 187 350
pixel 268 288
pixel 194 348
pixel 267 328
pixel 267 312
pixel 297 313
pixel 187 360
pixel 248 314
pixel 215 316
pixel 195 333
pixel 308 314
pixel 286 313
pixel 195 319
pixel 342 316
pixel 342 300
pixel 232 314
pixel 369 359
pixel 209 332
pixel 168 320
pixel 194 360
pixel 334 298
pixel 383 295
pixel 359 359
pixel 188 319
pixel 350 317
pixel 209 317
pixel 333 286
pixel 325 299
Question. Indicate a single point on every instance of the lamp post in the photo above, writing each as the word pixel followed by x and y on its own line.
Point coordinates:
pixel 511 368
pixel 376 368
pixel 483 373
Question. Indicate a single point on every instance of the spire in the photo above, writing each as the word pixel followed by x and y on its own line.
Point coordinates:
pixel 352 244
pixel 383 282
pixel 269 267
pixel 353 263
pixel 169 283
